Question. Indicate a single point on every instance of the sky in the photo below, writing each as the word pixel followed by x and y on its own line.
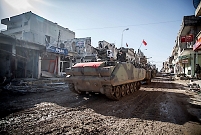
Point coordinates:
pixel 156 21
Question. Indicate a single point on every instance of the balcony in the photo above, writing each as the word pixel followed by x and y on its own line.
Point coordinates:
pixel 188 23
pixel 13 31
pixel 185 52
pixel 198 10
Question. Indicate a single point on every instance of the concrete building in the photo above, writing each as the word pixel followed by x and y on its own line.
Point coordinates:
pixel 176 63
pixel 110 46
pixel 187 50
pixel 82 48
pixel 197 45
pixel 33 28
pixel 130 55
pixel 183 58
pixel 190 28
pixel 19 58
pixel 38 30
pixel 165 67
pixel 197 5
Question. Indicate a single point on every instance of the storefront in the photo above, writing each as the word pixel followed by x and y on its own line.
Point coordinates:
pixel 185 63
pixel 197 45
pixel 197 49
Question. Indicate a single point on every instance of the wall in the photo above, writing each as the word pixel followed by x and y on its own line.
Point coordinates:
pixel 27 63
pixel 41 27
pixel 31 27
pixel 130 55
pixel 48 62
pixel 5 60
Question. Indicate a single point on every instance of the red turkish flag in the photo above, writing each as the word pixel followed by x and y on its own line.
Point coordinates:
pixel 144 42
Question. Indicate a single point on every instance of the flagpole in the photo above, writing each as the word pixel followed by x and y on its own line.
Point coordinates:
pixel 140 45
pixel 139 49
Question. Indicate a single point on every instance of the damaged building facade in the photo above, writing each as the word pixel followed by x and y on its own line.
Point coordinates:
pixel 43 47
pixel 187 50
pixel 82 48
pixel 130 54
pixel 33 46
pixel 19 58
pixel 183 57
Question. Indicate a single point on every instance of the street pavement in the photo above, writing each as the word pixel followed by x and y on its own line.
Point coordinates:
pixel 194 91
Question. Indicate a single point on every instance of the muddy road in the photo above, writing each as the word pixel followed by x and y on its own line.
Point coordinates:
pixel 158 108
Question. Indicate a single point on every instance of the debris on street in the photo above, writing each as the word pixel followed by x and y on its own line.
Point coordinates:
pixel 162 107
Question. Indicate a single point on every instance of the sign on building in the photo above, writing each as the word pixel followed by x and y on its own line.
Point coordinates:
pixel 197 45
pixel 53 49
pixel 187 38
pixel 184 61
pixel 80 43
pixel 109 53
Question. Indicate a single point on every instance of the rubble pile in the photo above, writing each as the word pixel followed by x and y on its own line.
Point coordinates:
pixel 159 108
pixel 50 118
pixel 194 86
pixel 22 86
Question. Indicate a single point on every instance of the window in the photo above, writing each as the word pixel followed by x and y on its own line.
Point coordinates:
pixel 48 38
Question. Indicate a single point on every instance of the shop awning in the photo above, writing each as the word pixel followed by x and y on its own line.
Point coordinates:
pixel 186 53
pixel 197 45
pixel 185 56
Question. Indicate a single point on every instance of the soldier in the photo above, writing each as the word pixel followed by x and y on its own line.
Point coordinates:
pixel 197 71
pixel 111 59
pixel 122 56
pixel 118 55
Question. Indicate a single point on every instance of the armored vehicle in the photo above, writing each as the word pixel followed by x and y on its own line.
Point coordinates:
pixel 148 77
pixel 144 64
pixel 153 73
pixel 112 78
pixel 150 73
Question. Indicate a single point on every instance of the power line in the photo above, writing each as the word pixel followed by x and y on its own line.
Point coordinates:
pixel 129 25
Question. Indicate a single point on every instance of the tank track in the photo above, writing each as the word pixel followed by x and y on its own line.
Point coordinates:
pixel 114 92
pixel 109 92
pixel 72 88
pixel 117 92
